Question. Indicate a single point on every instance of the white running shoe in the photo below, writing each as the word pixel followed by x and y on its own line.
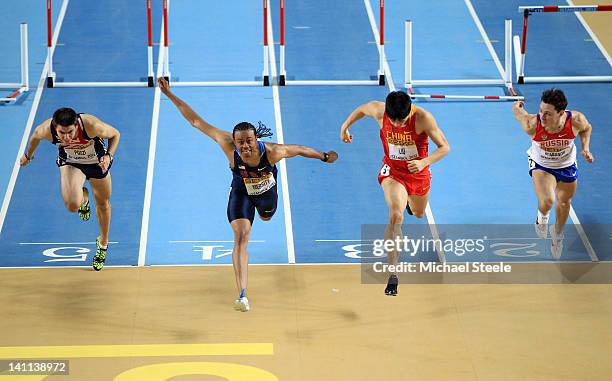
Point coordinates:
pixel 237 304
pixel 243 304
pixel 556 246
pixel 541 227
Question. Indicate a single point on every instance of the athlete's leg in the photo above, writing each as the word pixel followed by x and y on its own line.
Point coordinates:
pixel 240 214
pixel 71 184
pixel 418 204
pixel 544 185
pixel 396 198
pixel 565 192
pixel 240 254
pixel 266 204
pixel 102 189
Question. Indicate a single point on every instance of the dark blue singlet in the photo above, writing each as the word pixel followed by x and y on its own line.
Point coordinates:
pixel 253 188
pixel 86 157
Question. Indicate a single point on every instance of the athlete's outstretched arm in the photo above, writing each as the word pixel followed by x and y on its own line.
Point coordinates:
pixel 41 132
pixel 277 152
pixel 223 138
pixel 584 129
pixel 373 109
pixel 96 127
pixel 524 118
pixel 433 131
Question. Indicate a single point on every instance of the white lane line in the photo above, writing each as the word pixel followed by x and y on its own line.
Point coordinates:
pixel 279 134
pixel 144 227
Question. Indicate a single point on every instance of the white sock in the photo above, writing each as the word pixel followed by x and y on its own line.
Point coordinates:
pixel 542 218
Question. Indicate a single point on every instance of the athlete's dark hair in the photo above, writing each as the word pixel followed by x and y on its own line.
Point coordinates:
pixel 556 98
pixel 64 116
pixel 397 105
pixel 260 132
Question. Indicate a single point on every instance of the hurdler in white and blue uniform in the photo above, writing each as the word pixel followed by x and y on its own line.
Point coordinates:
pixel 82 156
pixel 552 159
pixel 254 188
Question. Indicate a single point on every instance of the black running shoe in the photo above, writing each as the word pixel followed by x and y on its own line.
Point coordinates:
pixel 391 289
pixel 408 208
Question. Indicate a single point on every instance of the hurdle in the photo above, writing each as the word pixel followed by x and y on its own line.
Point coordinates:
pixel 520 44
pixel 506 81
pixel 266 71
pixel 23 86
pixel 282 79
pixel 51 75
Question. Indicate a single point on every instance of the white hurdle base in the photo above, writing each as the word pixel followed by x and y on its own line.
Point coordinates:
pixel 457 82
pixel 550 79
pixel 100 84
pixel 331 83
pixel 215 83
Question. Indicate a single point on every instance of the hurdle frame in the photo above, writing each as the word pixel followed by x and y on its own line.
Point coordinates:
pixel 506 81
pixel 23 86
pixel 520 44
pixel 266 71
pixel 51 75
pixel 282 78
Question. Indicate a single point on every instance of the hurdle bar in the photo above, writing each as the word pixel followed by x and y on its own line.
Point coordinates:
pixel 266 71
pixel 51 75
pixel 23 86
pixel 506 81
pixel 282 79
pixel 520 44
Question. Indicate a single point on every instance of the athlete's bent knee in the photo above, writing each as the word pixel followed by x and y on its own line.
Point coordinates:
pixel 548 203
pixel 72 207
pixel 396 217
pixel 419 213
pixel 565 203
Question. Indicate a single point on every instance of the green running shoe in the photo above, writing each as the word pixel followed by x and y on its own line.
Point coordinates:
pixel 84 209
pixel 100 257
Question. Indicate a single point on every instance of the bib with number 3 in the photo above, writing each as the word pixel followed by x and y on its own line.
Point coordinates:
pixel 532 163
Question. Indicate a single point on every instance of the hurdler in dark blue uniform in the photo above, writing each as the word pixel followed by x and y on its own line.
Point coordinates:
pixel 253 188
pixel 253 165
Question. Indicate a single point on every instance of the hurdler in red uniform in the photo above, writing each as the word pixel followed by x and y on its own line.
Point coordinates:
pixel 401 145
pixel 404 176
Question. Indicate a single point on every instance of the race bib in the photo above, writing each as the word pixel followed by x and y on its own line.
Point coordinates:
pixel 259 185
pixel 532 163
pixel 405 153
pixel 82 153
